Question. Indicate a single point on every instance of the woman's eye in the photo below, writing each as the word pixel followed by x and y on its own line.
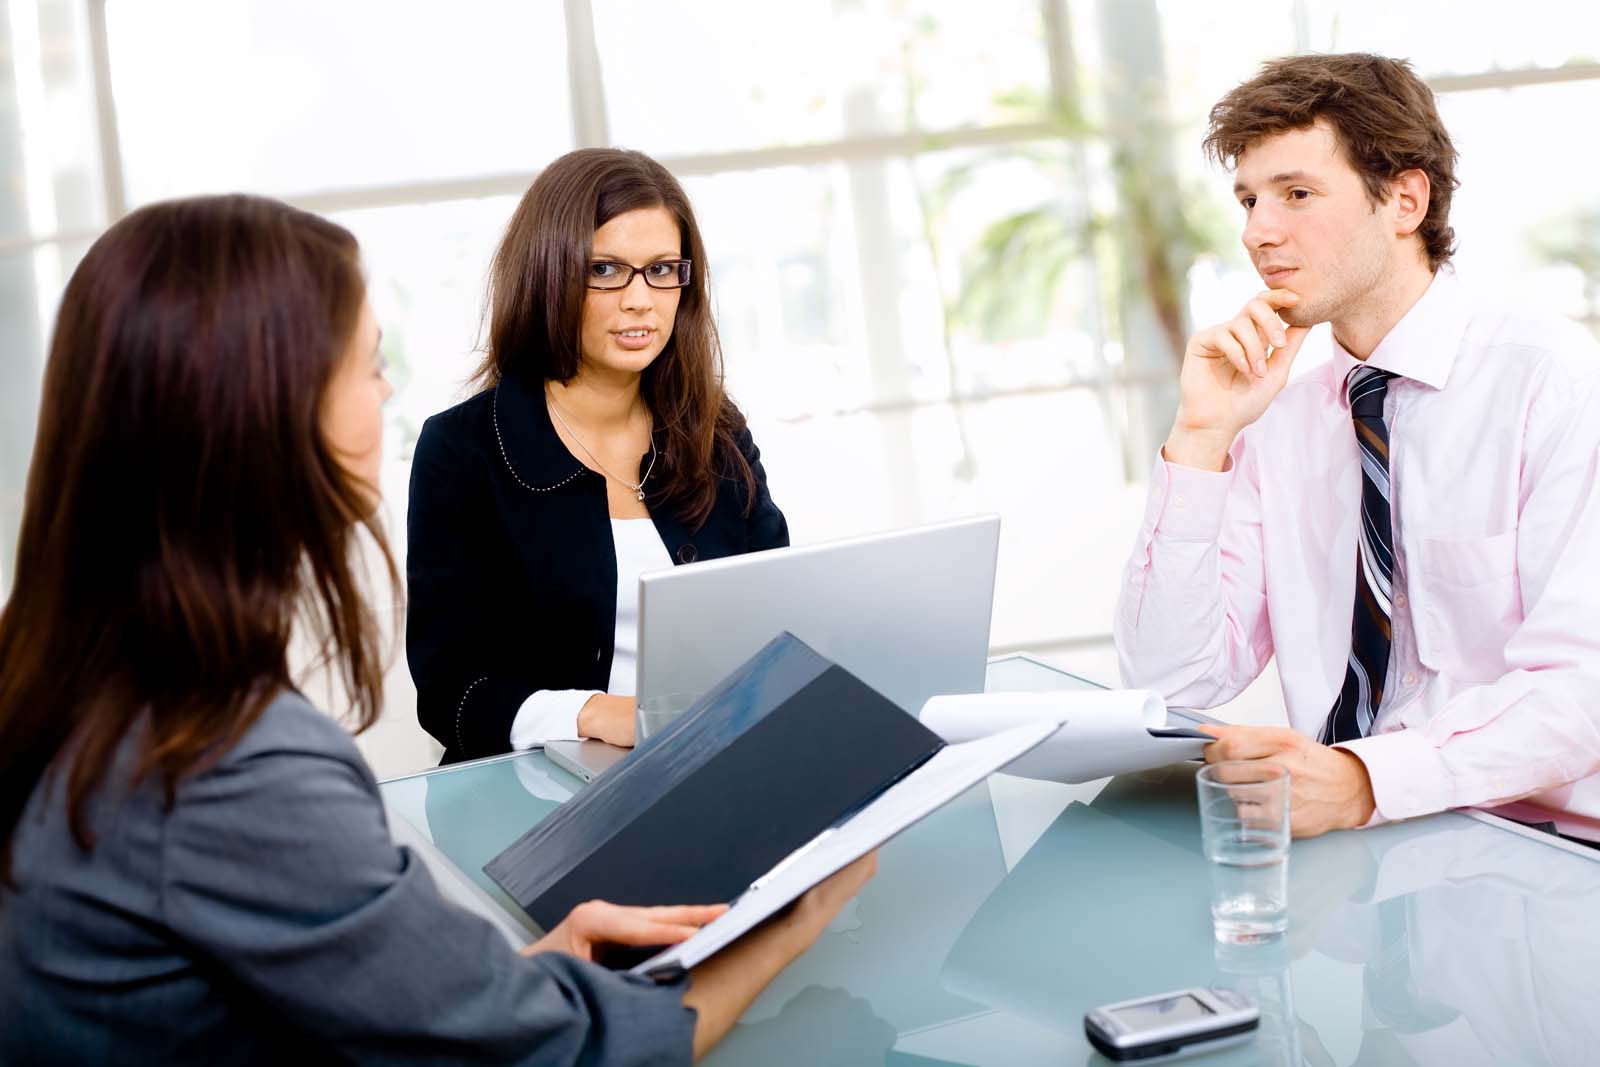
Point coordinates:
pixel 661 270
pixel 603 270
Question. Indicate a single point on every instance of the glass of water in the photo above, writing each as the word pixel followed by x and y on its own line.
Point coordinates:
pixel 1244 822
pixel 653 714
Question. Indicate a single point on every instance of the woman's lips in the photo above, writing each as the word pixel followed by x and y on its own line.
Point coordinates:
pixel 634 339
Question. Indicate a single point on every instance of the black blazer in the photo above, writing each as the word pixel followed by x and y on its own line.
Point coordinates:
pixel 511 569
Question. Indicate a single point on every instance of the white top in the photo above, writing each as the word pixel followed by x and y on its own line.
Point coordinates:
pixel 552 714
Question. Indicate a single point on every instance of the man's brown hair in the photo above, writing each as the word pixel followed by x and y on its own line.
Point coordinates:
pixel 1381 112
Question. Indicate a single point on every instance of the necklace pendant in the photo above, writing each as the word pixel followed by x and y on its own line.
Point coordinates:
pixel 641 494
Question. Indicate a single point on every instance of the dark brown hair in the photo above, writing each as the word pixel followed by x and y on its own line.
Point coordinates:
pixel 535 312
pixel 1381 112
pixel 181 498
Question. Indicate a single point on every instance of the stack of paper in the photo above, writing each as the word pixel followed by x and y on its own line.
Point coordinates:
pixel 1110 731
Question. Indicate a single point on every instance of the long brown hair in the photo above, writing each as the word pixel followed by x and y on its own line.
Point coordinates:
pixel 1383 114
pixel 535 313
pixel 181 498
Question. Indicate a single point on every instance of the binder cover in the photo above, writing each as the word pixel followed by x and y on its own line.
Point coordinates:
pixel 787 746
pixel 948 773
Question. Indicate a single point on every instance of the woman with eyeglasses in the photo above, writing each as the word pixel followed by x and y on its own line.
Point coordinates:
pixel 194 863
pixel 601 446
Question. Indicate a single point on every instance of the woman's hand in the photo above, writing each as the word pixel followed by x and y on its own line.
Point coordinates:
pixel 596 924
pixel 721 988
pixel 607 718
pixel 821 903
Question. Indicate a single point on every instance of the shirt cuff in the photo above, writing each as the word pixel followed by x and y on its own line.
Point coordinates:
pixel 548 715
pixel 1188 502
pixel 1409 777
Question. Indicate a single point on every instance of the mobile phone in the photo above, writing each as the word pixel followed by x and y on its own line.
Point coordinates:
pixel 1169 1025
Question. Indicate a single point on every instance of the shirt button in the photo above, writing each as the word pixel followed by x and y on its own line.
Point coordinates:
pixel 1409 679
pixel 1399 600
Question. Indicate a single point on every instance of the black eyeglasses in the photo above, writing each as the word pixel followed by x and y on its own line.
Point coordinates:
pixel 662 274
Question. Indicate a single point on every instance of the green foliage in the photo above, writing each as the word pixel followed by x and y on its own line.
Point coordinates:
pixel 1012 276
pixel 1574 241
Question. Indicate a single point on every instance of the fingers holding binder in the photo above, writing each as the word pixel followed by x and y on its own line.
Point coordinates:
pixel 591 927
pixel 823 901
pixel 722 987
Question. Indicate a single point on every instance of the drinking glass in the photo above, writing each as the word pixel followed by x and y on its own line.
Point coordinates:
pixel 653 714
pixel 1244 823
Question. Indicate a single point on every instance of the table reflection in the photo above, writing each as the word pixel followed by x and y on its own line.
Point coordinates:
pixel 1444 940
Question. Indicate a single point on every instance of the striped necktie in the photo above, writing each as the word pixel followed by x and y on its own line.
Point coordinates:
pixel 1368 665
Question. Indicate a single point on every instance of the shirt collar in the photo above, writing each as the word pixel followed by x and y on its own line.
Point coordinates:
pixel 1422 346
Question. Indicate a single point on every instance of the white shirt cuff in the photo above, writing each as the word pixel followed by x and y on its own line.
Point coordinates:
pixel 548 715
pixel 1187 504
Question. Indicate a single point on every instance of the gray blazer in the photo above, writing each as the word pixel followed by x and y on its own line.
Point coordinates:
pixel 268 918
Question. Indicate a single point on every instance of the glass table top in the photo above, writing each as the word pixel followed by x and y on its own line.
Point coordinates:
pixel 996 923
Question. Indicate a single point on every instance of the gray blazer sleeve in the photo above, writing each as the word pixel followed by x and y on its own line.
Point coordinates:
pixel 278 868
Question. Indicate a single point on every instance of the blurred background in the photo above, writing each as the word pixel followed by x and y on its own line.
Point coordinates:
pixel 955 247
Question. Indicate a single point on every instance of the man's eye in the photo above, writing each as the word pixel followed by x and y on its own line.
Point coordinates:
pixel 1248 202
pixel 1300 194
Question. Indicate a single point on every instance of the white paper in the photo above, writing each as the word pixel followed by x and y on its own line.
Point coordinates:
pixel 1106 732
pixel 946 775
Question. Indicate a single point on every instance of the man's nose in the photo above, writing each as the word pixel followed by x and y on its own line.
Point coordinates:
pixel 1262 230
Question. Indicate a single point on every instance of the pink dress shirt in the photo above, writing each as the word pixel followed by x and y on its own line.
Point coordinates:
pixel 1493 691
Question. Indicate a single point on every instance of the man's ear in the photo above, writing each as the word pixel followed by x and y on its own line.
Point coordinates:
pixel 1410 191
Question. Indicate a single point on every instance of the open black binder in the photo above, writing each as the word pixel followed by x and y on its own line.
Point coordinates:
pixel 787 746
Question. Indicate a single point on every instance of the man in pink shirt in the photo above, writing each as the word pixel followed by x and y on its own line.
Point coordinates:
pixel 1413 530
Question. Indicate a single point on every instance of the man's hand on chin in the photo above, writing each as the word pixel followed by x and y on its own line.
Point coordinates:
pixel 1329 787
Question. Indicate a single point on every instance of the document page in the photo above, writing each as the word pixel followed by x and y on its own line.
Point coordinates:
pixel 1109 731
pixel 946 775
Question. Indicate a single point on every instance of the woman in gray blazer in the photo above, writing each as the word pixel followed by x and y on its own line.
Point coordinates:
pixel 196 865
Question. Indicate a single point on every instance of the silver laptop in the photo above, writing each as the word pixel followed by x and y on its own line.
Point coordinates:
pixel 587 759
pixel 907 611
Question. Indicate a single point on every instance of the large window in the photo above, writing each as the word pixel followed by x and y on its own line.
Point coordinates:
pixel 954 247
pixel 296 96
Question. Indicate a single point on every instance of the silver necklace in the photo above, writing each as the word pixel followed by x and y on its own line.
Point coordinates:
pixel 637 487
